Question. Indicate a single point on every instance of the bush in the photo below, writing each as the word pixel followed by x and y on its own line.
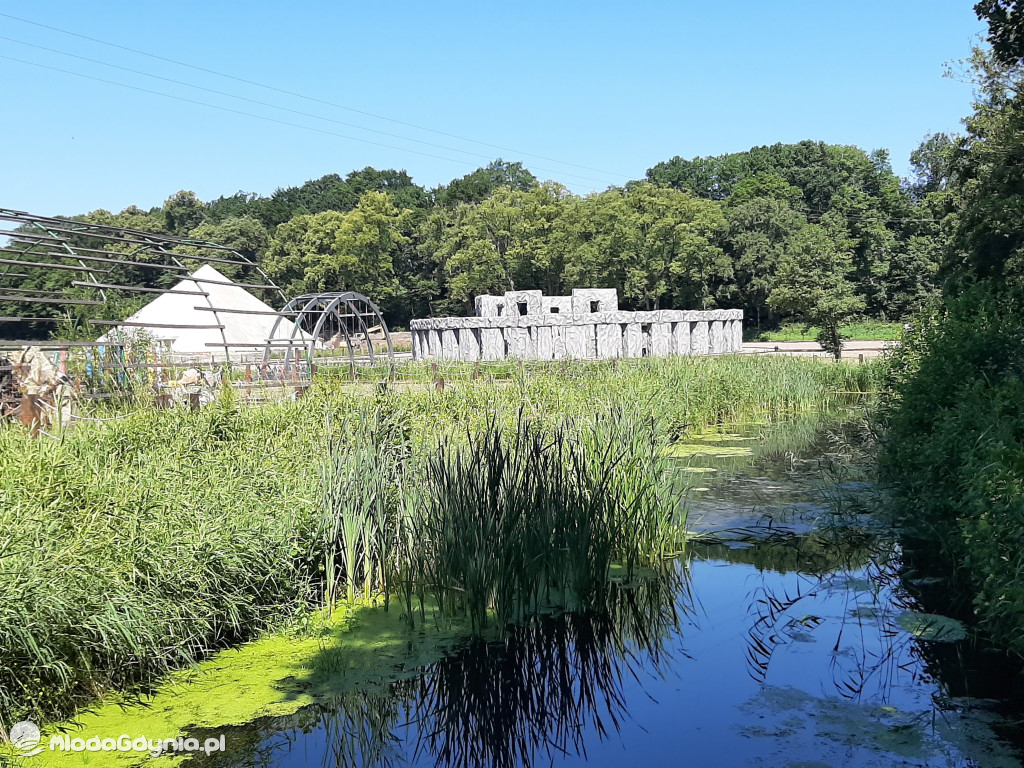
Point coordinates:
pixel 954 410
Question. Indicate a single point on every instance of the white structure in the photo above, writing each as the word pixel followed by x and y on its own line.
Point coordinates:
pixel 186 319
pixel 587 325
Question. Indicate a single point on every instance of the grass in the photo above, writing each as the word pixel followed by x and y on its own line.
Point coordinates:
pixel 136 546
pixel 868 330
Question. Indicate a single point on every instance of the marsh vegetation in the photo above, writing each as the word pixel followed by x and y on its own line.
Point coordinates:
pixel 138 545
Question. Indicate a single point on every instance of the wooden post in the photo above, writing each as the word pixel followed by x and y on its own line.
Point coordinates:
pixel 439 384
pixel 476 370
pixel 30 413
pixel 248 372
pixel 860 358
pixel 193 401
pixel 352 369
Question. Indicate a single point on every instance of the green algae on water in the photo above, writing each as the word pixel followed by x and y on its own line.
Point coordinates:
pixel 356 648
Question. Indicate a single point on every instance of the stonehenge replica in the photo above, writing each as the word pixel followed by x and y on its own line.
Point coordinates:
pixel 527 325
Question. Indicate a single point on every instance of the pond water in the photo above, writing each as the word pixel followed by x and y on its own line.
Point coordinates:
pixel 784 637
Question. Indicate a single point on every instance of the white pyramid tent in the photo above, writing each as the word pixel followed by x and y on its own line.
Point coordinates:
pixel 193 334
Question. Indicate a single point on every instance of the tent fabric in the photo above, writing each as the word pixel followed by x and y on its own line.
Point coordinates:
pixel 171 308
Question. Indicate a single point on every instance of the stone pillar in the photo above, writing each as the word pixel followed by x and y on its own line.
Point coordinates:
pixel 434 344
pixel 492 344
pixel 699 338
pixel 415 343
pixel 558 351
pixel 518 340
pixel 632 341
pixel 449 344
pixel 544 341
pixel 681 338
pixel 609 340
pixel 737 335
pixel 661 339
pixel 576 341
pixel 717 337
pixel 469 345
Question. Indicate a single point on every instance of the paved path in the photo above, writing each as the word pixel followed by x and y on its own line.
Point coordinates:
pixel 851 349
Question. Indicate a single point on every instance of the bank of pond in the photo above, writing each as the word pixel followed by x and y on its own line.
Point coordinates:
pixel 584 562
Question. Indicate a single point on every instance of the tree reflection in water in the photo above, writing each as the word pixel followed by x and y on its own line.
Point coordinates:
pixel 523 699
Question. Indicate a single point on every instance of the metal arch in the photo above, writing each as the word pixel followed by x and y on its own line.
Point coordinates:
pixel 48 241
pixel 327 305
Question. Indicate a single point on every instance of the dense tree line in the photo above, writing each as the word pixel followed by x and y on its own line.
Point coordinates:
pixel 811 230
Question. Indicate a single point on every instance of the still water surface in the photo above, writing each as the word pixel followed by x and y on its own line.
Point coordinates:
pixel 785 638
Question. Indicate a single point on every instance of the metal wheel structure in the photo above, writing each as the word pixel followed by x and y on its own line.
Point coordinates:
pixel 327 324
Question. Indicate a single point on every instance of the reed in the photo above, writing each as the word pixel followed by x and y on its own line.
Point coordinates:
pixel 135 546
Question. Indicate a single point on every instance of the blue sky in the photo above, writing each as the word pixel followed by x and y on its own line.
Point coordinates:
pixel 601 90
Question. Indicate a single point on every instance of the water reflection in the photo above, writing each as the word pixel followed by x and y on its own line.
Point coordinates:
pixel 523 700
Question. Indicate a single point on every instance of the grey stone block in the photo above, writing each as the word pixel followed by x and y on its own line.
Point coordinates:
pixel 576 338
pixel 681 337
pixel 449 344
pixel 632 341
pixel 544 341
pixel 584 300
pixel 523 303
pixel 716 337
pixel 518 343
pixel 699 341
pixel 492 344
pixel 556 305
pixel 661 340
pixel 558 351
pixel 469 345
pixel 488 306
pixel 609 340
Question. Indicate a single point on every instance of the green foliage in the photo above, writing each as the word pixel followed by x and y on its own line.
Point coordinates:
pixel 771 192
pixel 479 185
pixel 1005 28
pixel 988 240
pixel 700 233
pixel 814 283
pixel 183 212
pixel 335 251
pixel 953 450
pixel 504 243
pixel 953 405
pixel 656 245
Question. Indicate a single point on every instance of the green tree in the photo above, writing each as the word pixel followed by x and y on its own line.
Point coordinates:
pixel 242 234
pixel 479 185
pixel 988 240
pixel 655 245
pixel 334 251
pixel 183 212
pixel 814 283
pixel 1005 28
pixel 763 215
pixel 932 164
pixel 504 243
